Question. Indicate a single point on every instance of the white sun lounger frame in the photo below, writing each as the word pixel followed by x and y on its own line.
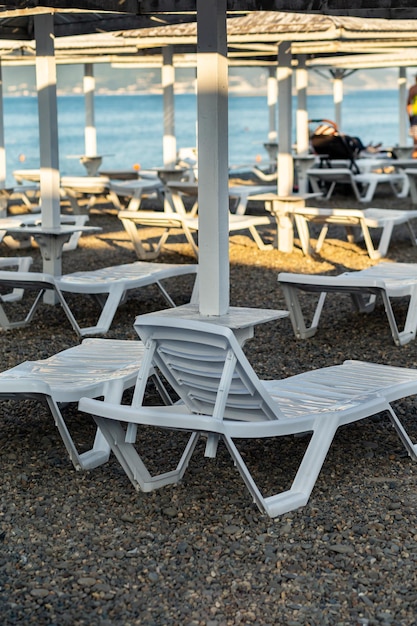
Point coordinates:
pixel 387 280
pixel 109 286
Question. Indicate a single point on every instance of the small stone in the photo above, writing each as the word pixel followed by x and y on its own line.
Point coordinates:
pixel 170 511
pixel 86 582
pixel 39 592
pixel 341 548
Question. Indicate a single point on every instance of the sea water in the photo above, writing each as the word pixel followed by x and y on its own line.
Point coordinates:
pixel 130 127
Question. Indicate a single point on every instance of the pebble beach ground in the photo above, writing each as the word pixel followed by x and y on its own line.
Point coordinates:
pixel 85 549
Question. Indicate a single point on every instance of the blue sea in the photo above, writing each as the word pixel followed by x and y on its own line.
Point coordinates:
pixel 129 127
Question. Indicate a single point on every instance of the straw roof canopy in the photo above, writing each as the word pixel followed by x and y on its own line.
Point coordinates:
pixel 278 25
pixel 73 17
pixel 269 21
pixel 253 39
pixel 257 35
pixel 389 9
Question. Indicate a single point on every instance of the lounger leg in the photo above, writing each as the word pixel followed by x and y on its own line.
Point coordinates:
pixel 141 252
pixel 314 184
pixel 404 188
pixel 373 254
pixel 401 432
pixel 303 233
pixel 196 290
pixel 76 209
pixel 188 234
pixel 362 303
pixel 408 333
pixel 6 323
pixel 292 300
pixel 330 191
pixel 266 246
pixel 412 233
pixel 304 480
pixel 132 463
pixel 93 458
pixel 107 314
pixel 391 320
pixel 370 191
pixel 385 239
pixel 322 237
pixel 174 202
pixel 413 189
pixel 351 235
pixel 100 451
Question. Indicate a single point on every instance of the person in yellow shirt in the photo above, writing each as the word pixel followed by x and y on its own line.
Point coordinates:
pixel 412 114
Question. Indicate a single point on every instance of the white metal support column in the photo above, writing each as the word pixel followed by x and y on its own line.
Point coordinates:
pixel 48 131
pixel 213 196
pixel 285 160
pixel 338 98
pixel 168 79
pixel 272 98
pixel 3 200
pixel 2 144
pixel 301 82
pixel 402 104
pixel 90 133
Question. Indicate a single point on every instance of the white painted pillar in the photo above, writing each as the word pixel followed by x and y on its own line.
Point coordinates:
pixel 301 83
pixel 48 130
pixel 338 99
pixel 213 192
pixel 3 201
pixel 169 145
pixel 285 160
pixel 90 133
pixel 272 99
pixel 2 144
pixel 402 107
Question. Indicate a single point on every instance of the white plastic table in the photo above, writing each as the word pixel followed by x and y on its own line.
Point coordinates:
pixel 241 320
pixel 52 240
pixel 282 207
pixel 135 190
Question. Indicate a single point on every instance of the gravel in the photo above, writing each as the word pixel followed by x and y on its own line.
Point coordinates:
pixel 83 548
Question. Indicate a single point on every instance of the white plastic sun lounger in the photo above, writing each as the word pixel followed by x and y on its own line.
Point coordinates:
pixel 373 218
pixel 239 194
pixel 109 286
pixel 72 187
pixel 96 367
pixel 222 398
pixel 389 281
pixel 174 223
pixel 135 190
pixel 397 181
pixel 25 193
